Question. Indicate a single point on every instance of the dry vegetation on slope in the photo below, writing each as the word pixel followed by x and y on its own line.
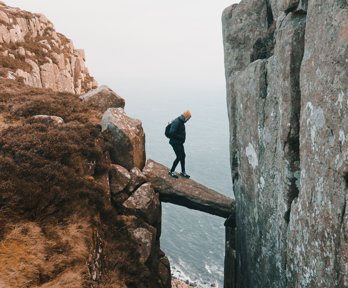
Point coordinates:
pixel 58 228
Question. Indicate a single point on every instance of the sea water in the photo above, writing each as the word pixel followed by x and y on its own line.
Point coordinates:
pixel 194 241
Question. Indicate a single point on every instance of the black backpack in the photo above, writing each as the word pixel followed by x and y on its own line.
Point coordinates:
pixel 166 132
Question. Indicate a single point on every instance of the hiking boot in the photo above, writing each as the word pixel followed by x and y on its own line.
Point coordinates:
pixel 183 174
pixel 170 173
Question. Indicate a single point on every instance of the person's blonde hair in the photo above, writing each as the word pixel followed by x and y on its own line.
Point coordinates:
pixel 187 114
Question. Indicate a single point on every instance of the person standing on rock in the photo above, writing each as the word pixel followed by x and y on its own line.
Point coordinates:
pixel 177 135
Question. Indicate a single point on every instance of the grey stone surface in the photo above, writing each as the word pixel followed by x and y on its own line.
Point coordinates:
pixel 137 178
pixel 240 24
pixel 144 202
pixel 286 5
pixel 318 232
pixel 186 192
pixel 128 138
pixel 146 242
pixel 103 98
pixel 288 128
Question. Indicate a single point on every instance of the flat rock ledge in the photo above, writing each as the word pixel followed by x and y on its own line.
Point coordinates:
pixel 187 192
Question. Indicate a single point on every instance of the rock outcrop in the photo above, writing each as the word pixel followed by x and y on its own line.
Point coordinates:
pixel 187 192
pixel 127 137
pixel 32 52
pixel 287 89
pixel 103 98
pixel 145 203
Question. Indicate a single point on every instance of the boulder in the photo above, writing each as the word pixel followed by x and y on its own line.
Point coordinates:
pixel 55 119
pixel 119 179
pixel 127 137
pixel 144 203
pixel 103 98
pixel 186 192
pixel 137 178
pixel 21 51
pixel 145 239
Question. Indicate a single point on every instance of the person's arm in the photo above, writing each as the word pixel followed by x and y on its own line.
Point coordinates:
pixel 173 128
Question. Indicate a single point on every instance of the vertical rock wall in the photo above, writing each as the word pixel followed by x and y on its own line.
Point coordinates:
pixel 32 52
pixel 286 74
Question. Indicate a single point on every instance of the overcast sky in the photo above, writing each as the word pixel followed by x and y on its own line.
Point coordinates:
pixel 144 47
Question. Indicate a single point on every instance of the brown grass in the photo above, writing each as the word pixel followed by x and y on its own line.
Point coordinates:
pixel 49 204
pixel 29 258
pixel 14 64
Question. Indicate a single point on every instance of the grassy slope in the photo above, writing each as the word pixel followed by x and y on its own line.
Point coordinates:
pixel 54 209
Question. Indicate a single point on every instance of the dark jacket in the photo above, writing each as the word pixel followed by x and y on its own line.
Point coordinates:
pixel 177 131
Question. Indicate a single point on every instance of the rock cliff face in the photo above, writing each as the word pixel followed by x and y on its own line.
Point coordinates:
pixel 32 52
pixel 287 86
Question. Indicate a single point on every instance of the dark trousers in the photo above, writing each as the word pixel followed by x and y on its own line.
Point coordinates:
pixel 180 156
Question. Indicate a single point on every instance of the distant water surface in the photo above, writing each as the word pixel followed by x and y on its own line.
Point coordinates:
pixel 193 241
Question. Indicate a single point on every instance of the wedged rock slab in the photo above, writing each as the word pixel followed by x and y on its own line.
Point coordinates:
pixel 128 138
pixel 103 98
pixel 187 192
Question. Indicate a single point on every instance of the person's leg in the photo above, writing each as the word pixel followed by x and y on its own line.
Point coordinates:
pixel 176 149
pixel 182 161
pixel 182 158
pixel 175 163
